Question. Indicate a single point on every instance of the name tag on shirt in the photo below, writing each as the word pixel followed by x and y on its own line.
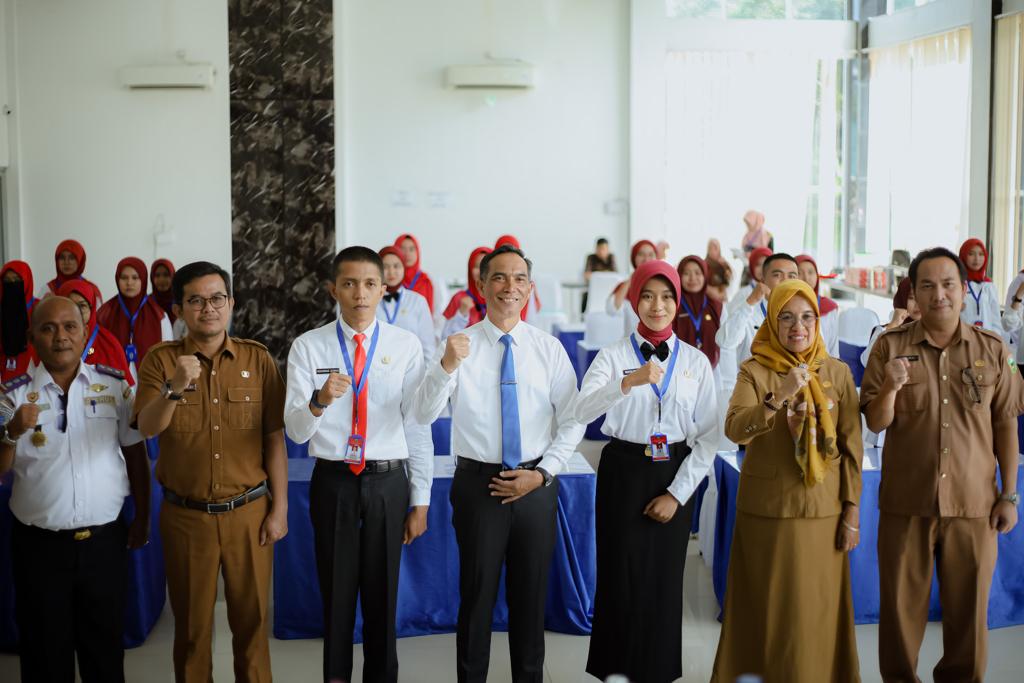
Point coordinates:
pixel 327 371
pixel 629 371
pixel 354 449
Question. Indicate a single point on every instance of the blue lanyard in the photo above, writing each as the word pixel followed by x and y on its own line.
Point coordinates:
pixel 88 346
pixel 30 304
pixel 659 392
pixel 415 279
pixel 764 311
pixel 398 302
pixel 976 297
pixel 361 384
pixel 698 319
pixel 132 316
pixel 481 306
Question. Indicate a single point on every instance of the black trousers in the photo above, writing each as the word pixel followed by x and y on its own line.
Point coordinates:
pixel 69 600
pixel 638 604
pixel 520 536
pixel 358 524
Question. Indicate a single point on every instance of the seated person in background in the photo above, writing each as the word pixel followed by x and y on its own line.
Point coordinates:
pixel 601 261
pixel 719 271
pixel 981 305
pixel 642 252
pixel 16 304
pixel 829 309
pixel 415 279
pixel 467 307
pixel 403 307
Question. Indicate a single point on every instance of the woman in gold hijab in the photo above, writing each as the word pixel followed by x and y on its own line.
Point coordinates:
pixel 788 609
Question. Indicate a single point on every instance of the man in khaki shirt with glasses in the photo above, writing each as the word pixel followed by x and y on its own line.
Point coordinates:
pixel 217 403
pixel 948 395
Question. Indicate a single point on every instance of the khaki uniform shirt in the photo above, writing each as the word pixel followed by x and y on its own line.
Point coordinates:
pixel 213 448
pixel 938 457
pixel 771 482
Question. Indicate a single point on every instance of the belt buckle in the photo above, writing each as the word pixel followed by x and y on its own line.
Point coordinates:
pixel 83 534
pixel 218 508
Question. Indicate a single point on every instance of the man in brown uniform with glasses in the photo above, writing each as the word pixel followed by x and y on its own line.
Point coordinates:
pixel 948 395
pixel 218 405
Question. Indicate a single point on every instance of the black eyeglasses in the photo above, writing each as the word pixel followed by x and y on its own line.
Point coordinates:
pixel 974 393
pixel 198 303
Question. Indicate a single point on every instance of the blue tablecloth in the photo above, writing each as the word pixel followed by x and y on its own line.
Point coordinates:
pixel 146 580
pixel 1006 602
pixel 582 359
pixel 428 589
pixel 569 338
pixel 440 431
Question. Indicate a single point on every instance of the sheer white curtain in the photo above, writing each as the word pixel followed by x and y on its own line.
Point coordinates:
pixel 740 134
pixel 918 142
pixel 1007 141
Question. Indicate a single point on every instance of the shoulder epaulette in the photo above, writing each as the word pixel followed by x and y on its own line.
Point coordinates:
pixel 250 342
pixel 109 371
pixel 989 333
pixel 165 344
pixel 13 383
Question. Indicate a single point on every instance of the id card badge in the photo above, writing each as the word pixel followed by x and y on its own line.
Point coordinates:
pixel 131 353
pixel 354 449
pixel 658 447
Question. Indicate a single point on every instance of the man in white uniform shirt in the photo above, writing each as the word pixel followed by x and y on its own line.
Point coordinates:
pixel 351 385
pixel 743 315
pixel 64 441
pixel 512 393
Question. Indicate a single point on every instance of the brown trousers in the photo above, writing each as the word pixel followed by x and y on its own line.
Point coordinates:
pixel 197 546
pixel 963 551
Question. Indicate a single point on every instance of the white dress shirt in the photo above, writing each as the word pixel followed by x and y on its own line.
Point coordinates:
pixel 1013 320
pixel 739 323
pixel 546 389
pixel 78 478
pixel 413 315
pixel 392 432
pixel 689 408
pixel 982 305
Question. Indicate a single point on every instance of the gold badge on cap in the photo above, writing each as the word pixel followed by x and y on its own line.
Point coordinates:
pixel 38 438
pixel 32 396
pixel 246 374
pixel 979 363
pixel 98 387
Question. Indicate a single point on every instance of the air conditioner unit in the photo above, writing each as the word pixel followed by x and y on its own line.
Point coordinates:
pixel 517 76
pixel 167 76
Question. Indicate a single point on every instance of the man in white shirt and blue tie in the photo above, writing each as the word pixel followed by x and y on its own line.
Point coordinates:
pixel 512 393
pixel 351 385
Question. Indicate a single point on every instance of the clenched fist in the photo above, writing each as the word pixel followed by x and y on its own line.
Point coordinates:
pixel 897 372
pixel 187 370
pixel 761 291
pixel 649 373
pixel 456 350
pixel 336 386
pixel 24 420
pixel 795 380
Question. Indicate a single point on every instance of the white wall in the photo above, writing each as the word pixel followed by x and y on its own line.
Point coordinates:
pixel 99 163
pixel 539 164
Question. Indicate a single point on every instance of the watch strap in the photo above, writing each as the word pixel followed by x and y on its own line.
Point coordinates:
pixel 169 394
pixel 315 403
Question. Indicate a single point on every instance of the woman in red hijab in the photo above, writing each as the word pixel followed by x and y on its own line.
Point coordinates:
pixel 698 315
pixel 135 319
pixel 16 304
pixel 161 275
pixel 70 261
pixel 101 347
pixel 511 241
pixel 642 252
pixel 467 307
pixel 415 278
pixel 828 309
pixel 981 305
pixel 654 392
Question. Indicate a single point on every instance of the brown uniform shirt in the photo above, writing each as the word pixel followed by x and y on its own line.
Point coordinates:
pixel 213 448
pixel 771 482
pixel 938 457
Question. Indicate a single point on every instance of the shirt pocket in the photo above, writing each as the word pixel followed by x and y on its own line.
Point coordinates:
pixel 685 398
pixel 188 414
pixel 245 407
pixel 384 385
pixel 976 394
pixel 913 396
pixel 101 421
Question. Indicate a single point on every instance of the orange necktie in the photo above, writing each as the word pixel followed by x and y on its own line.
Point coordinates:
pixel 359 402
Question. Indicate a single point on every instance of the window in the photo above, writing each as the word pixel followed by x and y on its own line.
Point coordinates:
pixel 756 9
pixel 1005 204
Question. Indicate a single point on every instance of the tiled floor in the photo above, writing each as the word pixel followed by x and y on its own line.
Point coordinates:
pixel 431 659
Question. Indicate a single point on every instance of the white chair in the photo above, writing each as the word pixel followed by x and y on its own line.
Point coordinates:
pixel 549 290
pixel 601 329
pixel 855 325
pixel 600 286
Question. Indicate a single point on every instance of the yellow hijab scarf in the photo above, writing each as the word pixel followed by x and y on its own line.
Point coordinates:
pixel 816 437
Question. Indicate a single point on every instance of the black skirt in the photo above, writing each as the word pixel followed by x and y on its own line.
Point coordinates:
pixel 638 606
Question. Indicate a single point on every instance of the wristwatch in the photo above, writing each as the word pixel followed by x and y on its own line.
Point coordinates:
pixel 548 478
pixel 6 438
pixel 1013 498
pixel 315 403
pixel 768 402
pixel 169 394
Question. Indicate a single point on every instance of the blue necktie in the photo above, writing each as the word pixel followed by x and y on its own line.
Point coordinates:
pixel 511 442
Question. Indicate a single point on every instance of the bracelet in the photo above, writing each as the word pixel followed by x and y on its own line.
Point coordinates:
pixel 6 438
pixel 851 528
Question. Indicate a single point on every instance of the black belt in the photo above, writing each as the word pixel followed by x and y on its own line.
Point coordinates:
pixel 470 465
pixel 370 466
pixel 641 448
pixel 255 493
pixel 80 534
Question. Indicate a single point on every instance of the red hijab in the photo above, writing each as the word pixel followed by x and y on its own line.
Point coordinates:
pixel 757 256
pixel 825 305
pixel 112 315
pixel 76 248
pixel 975 275
pixel 901 298
pixel 632 260
pixel 23 355
pixel 479 310
pixel 706 310
pixel 105 349
pixel 652 269
pixel 415 279
pixel 164 299
pixel 512 241
pixel 393 251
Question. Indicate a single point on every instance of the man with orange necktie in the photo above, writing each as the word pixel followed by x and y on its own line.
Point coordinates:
pixel 350 388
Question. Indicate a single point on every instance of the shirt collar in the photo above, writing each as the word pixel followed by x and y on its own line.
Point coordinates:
pixel 350 333
pixel 918 334
pixel 494 334
pixel 229 347
pixel 42 378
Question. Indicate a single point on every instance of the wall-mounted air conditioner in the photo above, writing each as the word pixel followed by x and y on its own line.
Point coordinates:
pixel 516 76
pixel 167 77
